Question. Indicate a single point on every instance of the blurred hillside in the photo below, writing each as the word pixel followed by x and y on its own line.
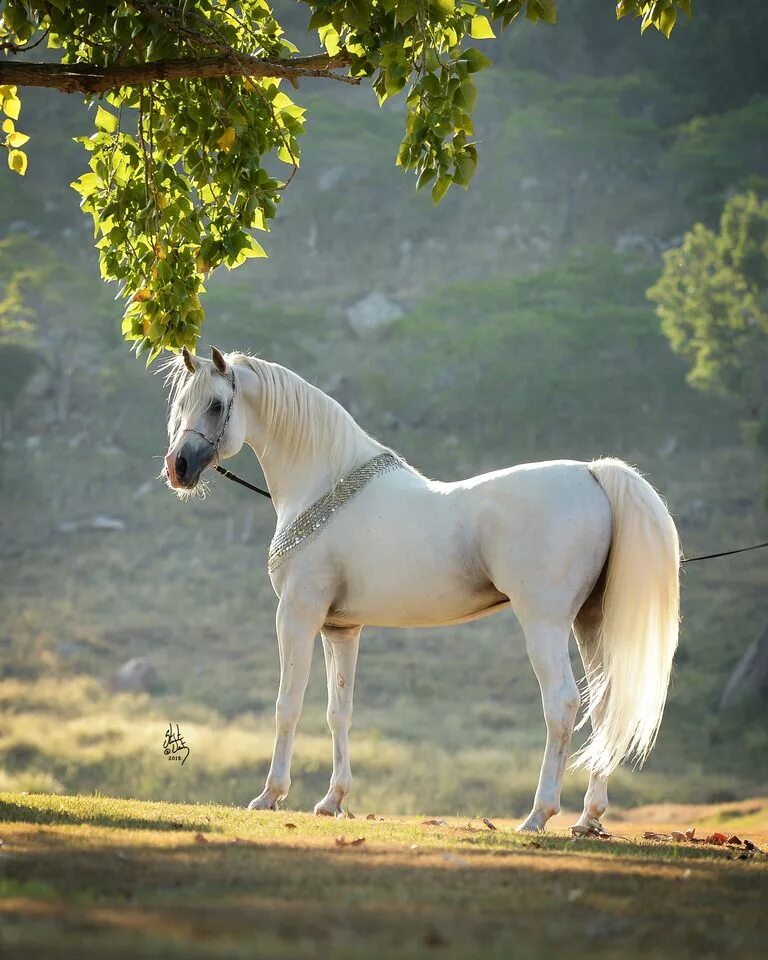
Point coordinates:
pixel 509 324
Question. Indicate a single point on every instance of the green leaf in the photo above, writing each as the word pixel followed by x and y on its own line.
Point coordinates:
pixel 105 121
pixel 426 175
pixel 480 28
pixel 12 107
pixel 474 60
pixel 667 21
pixel 440 188
pixel 17 161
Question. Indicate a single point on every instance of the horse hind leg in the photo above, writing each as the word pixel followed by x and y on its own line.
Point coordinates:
pixel 547 646
pixel 586 629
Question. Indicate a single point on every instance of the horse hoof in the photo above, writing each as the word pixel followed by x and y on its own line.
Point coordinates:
pixel 531 825
pixel 262 803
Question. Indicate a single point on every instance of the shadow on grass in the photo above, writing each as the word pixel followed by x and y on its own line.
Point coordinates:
pixel 24 810
pixel 386 899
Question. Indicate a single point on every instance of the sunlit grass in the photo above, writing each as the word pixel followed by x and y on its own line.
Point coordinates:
pixel 89 875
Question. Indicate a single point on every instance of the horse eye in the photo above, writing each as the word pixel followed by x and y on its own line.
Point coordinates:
pixel 216 407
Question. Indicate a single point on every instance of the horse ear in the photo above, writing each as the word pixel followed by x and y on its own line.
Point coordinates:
pixel 218 361
pixel 190 362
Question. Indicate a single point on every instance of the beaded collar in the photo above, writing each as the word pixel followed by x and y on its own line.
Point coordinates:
pixel 312 520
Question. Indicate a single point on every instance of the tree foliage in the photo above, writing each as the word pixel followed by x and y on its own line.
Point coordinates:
pixel 712 298
pixel 190 114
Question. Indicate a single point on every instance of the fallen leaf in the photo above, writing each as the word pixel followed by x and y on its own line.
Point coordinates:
pixel 434 823
pixel 371 816
pixel 487 822
pixel 199 838
pixel 343 842
pixel 718 839
pixel 690 833
pixel 289 826
pixel 678 836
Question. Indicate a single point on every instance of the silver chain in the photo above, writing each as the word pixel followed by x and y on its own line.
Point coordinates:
pixel 312 520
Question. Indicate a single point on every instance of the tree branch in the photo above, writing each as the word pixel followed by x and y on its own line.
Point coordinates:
pixel 92 78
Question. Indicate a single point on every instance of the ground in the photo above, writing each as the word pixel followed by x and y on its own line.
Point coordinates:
pixel 87 877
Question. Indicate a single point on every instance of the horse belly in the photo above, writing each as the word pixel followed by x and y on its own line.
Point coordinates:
pixel 414 578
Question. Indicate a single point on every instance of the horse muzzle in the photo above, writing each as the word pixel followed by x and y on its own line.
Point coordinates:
pixel 184 466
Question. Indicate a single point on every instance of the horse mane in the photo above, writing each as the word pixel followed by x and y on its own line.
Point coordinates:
pixel 297 417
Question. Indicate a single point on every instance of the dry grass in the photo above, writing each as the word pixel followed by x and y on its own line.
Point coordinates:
pixel 83 877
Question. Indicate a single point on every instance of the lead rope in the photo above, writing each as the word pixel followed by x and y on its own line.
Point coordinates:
pixel 725 553
pixel 243 483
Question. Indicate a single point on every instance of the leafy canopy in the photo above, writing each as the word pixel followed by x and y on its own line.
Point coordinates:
pixel 192 114
pixel 712 298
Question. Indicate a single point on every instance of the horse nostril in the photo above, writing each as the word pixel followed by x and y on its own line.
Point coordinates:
pixel 181 466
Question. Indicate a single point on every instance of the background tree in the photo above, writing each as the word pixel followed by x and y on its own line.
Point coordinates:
pixel 712 298
pixel 180 173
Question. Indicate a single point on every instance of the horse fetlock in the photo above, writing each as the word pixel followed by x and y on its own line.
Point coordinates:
pixel 332 803
pixel 272 793
pixel 538 817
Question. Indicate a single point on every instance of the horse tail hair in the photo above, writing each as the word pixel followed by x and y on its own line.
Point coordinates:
pixel 636 640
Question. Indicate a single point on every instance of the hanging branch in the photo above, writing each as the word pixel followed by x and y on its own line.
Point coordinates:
pixel 91 78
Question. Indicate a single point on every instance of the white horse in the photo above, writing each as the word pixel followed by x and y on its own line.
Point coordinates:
pixel 569 545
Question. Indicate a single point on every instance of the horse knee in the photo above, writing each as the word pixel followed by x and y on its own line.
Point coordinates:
pixel 286 713
pixel 339 719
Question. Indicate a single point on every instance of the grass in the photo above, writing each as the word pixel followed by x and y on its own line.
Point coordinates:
pixel 85 876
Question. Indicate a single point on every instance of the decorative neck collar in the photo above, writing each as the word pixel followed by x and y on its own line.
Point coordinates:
pixel 311 521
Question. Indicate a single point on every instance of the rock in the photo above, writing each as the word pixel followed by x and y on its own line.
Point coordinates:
pixel 374 311
pixel 638 243
pixel 98 522
pixel 749 677
pixel 135 675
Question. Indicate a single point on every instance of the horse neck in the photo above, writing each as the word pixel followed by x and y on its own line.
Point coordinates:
pixel 298 475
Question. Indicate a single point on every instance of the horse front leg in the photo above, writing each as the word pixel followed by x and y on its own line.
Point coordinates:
pixel 340 648
pixel 297 626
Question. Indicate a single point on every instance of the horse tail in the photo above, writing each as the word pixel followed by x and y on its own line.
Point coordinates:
pixel 637 636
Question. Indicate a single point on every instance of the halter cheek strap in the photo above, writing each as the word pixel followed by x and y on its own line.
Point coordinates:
pixel 216 441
